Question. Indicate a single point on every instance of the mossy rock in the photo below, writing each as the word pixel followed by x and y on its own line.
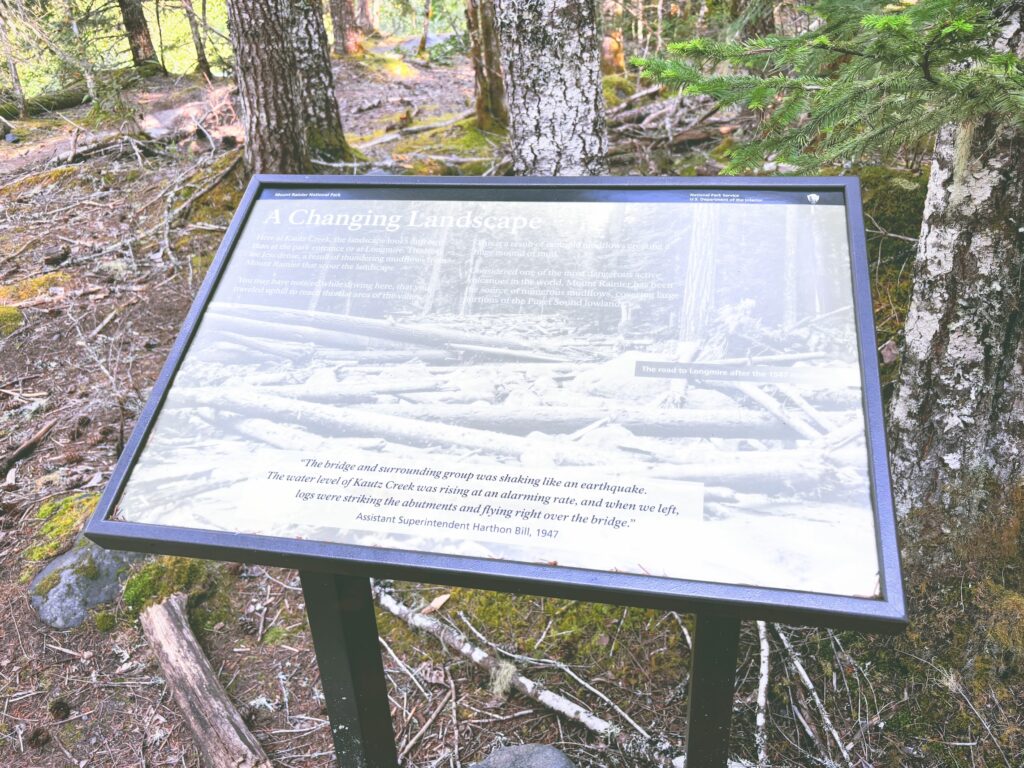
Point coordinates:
pixel 72 585
pixel 10 321
pixel 32 287
pixel 62 520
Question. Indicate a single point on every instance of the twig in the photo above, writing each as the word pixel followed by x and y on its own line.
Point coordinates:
pixel 557 665
pixel 797 664
pixel 430 721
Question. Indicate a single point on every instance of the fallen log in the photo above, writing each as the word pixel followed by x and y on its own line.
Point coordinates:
pixel 221 736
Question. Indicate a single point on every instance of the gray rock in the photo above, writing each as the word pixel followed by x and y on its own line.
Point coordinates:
pixel 526 756
pixel 82 578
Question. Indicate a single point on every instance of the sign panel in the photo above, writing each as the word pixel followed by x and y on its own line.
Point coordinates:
pixel 666 384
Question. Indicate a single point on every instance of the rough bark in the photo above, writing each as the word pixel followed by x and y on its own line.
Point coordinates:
pixel 348 39
pixel 202 63
pixel 275 132
pixel 315 83
pixel 491 110
pixel 137 31
pixel 551 59
pixel 12 70
pixel 218 730
pixel 958 415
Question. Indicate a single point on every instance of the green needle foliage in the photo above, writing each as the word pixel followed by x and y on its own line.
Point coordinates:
pixel 872 78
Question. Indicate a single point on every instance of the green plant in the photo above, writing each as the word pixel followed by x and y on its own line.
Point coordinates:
pixel 872 79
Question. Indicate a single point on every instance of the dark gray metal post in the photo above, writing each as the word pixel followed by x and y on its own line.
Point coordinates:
pixel 344 629
pixel 712 677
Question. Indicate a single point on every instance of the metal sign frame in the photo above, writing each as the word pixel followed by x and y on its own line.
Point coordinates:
pixel 886 613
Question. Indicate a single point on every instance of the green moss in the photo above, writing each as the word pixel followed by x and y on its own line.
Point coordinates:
pixel 462 139
pixel 44 587
pixel 276 636
pixel 617 88
pixel 37 182
pixel 63 519
pixel 31 287
pixel 1004 615
pixel 389 66
pixel 88 569
pixel 159 579
pixel 10 321
pixel 105 621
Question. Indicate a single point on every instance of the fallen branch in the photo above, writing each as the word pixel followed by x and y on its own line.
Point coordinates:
pixel 26 448
pixel 654 751
pixel 217 729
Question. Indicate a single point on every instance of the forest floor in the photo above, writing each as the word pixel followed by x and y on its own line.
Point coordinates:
pixel 104 238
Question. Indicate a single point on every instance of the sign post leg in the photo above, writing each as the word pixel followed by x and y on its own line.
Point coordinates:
pixel 712 677
pixel 344 629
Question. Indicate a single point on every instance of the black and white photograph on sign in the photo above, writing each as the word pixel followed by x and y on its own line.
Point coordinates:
pixel 667 387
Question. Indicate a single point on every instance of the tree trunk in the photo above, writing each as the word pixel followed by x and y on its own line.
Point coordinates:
pixel 428 13
pixel 137 30
pixel 202 64
pixel 491 110
pixel 348 40
pixel 275 132
pixel 12 69
pixel 958 416
pixel 315 83
pixel 551 59
pixel 366 20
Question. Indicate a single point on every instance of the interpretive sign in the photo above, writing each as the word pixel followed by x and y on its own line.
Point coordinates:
pixel 650 391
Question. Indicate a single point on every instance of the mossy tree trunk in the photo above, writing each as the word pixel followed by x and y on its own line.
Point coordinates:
pixel 137 31
pixel 315 83
pixel 202 63
pixel 551 59
pixel 275 127
pixel 958 414
pixel 489 85
pixel 348 40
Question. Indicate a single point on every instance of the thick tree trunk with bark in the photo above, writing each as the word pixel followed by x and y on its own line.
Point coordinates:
pixel 275 132
pixel 348 39
pixel 315 83
pixel 491 110
pixel 958 415
pixel 202 63
pixel 137 31
pixel 551 58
